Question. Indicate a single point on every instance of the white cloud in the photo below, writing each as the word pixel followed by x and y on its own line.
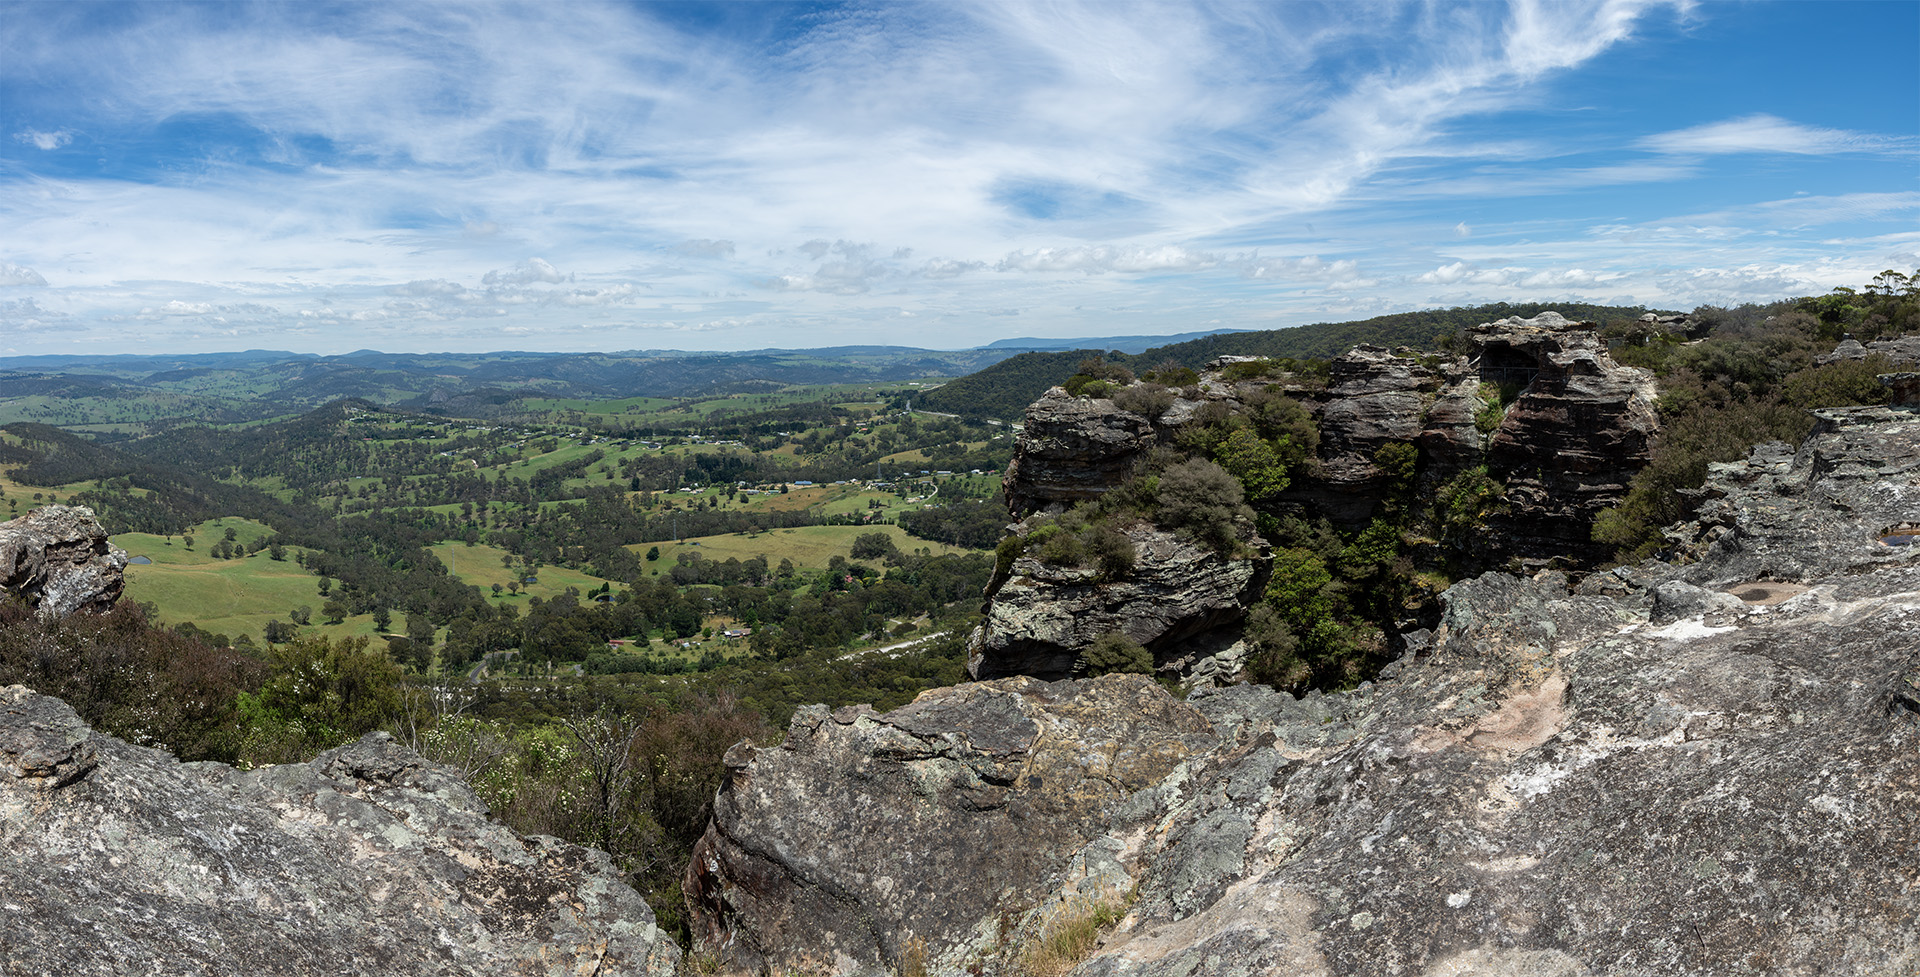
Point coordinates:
pixel 437 287
pixel 1309 268
pixel 526 273
pixel 1100 259
pixel 949 267
pixel 1771 134
pixel 44 140
pixel 19 275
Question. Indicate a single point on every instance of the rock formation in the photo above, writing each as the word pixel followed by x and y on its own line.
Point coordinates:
pixel 57 557
pixel 1697 769
pixel 122 860
pixel 1041 617
pixel 1072 449
pixel 1567 448
pixel 864 836
pixel 1900 350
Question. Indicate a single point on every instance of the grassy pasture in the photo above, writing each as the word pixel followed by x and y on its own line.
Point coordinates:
pixel 480 566
pixel 809 547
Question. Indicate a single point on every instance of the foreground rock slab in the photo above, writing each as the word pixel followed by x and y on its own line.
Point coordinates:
pixel 116 859
pixel 865 839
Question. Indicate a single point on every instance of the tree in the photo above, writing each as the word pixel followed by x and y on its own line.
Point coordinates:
pixel 300 615
pixel 653 553
pixel 873 546
pixel 382 618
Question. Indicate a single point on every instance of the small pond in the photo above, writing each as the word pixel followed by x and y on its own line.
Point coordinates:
pixel 138 560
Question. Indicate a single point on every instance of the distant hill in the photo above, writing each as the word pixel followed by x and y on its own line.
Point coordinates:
pixel 259 384
pixel 1125 344
pixel 1004 389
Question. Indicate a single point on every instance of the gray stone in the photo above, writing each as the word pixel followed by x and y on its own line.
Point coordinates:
pixel 367 861
pixel 57 557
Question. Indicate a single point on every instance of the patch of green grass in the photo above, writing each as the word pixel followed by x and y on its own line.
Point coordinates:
pixel 809 547
pixel 232 597
pixel 480 566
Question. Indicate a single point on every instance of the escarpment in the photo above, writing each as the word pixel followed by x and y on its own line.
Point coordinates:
pixel 1701 768
pixel 1504 457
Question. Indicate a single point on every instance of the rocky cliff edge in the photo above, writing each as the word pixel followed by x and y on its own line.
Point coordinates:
pixel 1703 768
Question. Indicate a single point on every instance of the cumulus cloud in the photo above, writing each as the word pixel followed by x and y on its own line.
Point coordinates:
pixel 1100 259
pixel 1772 134
pixel 949 268
pixel 526 272
pixel 1309 268
pixel 19 275
pixel 44 140
pixel 846 268
pixel 26 314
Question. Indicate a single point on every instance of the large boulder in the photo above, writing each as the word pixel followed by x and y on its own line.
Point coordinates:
pixel 57 557
pixel 1041 618
pixel 367 861
pixel 867 839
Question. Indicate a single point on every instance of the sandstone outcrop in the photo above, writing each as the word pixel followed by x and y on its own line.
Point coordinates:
pixel 866 838
pixel 1041 617
pixel 1568 446
pixel 1072 449
pixel 57 557
pixel 369 860
pixel 1698 769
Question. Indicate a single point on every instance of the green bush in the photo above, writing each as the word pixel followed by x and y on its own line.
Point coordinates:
pixel 1115 653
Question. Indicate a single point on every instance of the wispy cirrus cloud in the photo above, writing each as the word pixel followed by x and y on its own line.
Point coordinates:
pixel 1762 133
pixel 382 174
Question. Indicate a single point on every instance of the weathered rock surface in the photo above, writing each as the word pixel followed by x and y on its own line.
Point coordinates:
pixel 1072 449
pixel 1042 617
pixel 1703 769
pixel 57 557
pixel 121 860
pixel 864 836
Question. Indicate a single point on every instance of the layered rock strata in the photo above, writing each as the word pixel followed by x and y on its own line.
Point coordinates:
pixel 1072 449
pixel 1572 441
pixel 369 860
pixel 57 557
pixel 1699 769
pixel 1040 618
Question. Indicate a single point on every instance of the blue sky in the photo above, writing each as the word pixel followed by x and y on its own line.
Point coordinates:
pixel 579 176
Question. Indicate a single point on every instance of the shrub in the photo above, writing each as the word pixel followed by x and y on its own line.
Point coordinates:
pixel 1072 934
pixel 1149 400
pixel 1204 501
pixel 1115 653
